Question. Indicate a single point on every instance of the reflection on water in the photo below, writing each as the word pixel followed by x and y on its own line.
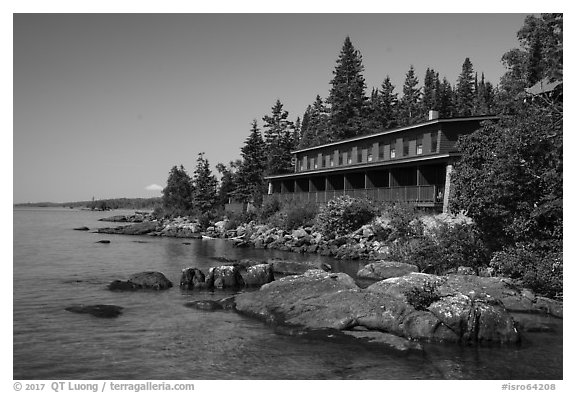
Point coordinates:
pixel 158 338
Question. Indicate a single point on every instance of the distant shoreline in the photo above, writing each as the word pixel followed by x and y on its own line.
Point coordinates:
pixel 101 204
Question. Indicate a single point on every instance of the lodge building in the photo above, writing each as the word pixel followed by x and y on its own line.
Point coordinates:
pixel 408 164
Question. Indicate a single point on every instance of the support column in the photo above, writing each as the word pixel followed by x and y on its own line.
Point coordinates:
pixel 447 183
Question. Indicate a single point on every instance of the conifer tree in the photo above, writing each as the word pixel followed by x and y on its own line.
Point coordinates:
pixel 204 195
pixel 250 176
pixel 279 140
pixel 409 105
pixel 446 100
pixel 347 96
pixel 388 104
pixel 316 130
pixel 177 195
pixel 465 92
pixel 429 92
pixel 228 181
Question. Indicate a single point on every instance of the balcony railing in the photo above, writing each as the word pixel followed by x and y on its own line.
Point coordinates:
pixel 412 194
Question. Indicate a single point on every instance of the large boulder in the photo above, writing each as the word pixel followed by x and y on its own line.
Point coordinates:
pixel 382 270
pixel 225 277
pixel 193 278
pixel 257 275
pixel 321 300
pixel 145 280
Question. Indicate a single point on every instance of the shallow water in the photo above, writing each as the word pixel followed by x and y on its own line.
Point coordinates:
pixel 157 337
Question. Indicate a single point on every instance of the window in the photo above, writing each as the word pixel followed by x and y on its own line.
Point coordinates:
pixel 405 147
pixel 419 145
pixel 392 153
pixel 369 156
pixel 359 155
pixel 331 160
pixel 340 158
pixel 349 156
pixel 381 152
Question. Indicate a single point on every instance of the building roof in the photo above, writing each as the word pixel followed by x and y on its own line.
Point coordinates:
pixel 400 129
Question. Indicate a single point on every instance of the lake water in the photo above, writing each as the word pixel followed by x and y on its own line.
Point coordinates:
pixel 157 337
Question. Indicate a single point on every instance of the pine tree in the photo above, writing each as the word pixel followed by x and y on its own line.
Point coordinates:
pixel 429 93
pixel 316 129
pixel 465 92
pixel 250 175
pixel 446 100
pixel 279 140
pixel 228 181
pixel 388 104
pixel 409 105
pixel 177 195
pixel 204 195
pixel 347 96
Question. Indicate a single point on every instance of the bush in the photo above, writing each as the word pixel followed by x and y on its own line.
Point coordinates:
pixel 344 215
pixel 269 207
pixel 538 269
pixel 300 215
pixel 237 219
pixel 294 216
pixel 422 298
pixel 443 249
pixel 402 219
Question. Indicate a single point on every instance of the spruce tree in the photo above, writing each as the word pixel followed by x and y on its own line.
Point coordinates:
pixel 409 106
pixel 228 181
pixel 279 140
pixel 347 96
pixel 250 175
pixel 388 104
pixel 465 92
pixel 204 195
pixel 446 96
pixel 429 92
pixel 177 195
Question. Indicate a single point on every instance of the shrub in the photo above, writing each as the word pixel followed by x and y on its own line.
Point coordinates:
pixel 422 298
pixel 300 215
pixel 443 249
pixel 294 216
pixel 402 218
pixel 269 207
pixel 344 215
pixel 237 219
pixel 538 269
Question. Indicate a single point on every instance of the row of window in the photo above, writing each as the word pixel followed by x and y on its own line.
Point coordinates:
pixel 337 160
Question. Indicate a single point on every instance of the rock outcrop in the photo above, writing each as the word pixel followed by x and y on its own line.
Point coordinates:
pixel 321 300
pixel 382 270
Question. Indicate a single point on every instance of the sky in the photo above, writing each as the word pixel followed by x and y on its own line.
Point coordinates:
pixel 104 105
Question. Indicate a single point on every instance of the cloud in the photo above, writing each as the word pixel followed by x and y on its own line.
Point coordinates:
pixel 154 187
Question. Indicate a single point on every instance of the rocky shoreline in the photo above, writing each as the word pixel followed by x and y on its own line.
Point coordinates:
pixel 400 307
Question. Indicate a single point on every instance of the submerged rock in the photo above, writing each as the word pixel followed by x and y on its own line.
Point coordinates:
pixel 145 280
pixel 205 305
pixel 134 229
pixel 103 241
pixel 82 229
pixel 98 310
